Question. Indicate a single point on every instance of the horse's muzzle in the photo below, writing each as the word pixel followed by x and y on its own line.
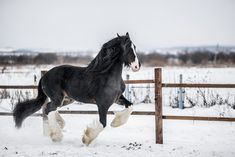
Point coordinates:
pixel 135 66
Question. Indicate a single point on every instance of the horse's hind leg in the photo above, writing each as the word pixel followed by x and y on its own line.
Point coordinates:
pixel 60 120
pixel 55 121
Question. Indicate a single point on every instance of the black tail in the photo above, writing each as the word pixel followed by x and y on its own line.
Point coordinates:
pixel 24 109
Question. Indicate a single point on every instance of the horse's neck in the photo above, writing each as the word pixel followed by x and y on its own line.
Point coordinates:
pixel 116 70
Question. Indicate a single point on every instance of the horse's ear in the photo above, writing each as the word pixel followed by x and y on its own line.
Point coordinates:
pixel 127 34
pixel 118 35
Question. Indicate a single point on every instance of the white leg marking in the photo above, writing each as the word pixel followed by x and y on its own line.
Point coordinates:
pixel 121 117
pixel 92 132
pixel 55 131
pixel 60 120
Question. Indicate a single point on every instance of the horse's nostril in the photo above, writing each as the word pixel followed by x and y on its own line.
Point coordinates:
pixel 136 66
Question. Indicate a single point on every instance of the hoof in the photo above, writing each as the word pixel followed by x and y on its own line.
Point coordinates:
pixel 86 140
pixel 121 117
pixel 117 122
pixel 56 137
pixel 92 132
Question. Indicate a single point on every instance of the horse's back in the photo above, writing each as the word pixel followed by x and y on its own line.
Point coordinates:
pixel 57 77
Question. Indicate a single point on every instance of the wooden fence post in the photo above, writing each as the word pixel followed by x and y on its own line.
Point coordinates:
pixel 44 116
pixel 158 105
pixel 34 83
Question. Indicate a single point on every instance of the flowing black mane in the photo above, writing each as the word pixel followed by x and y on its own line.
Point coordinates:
pixel 107 56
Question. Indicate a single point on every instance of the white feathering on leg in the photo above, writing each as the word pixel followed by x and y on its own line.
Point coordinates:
pixel 121 117
pixel 91 132
pixel 60 120
pixel 54 128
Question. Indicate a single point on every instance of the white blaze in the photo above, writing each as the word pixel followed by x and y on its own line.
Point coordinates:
pixel 135 64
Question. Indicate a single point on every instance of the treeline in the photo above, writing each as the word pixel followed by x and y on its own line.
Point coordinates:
pixel 184 58
pixel 195 58
pixel 42 58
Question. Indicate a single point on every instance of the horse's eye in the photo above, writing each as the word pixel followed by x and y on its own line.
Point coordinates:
pixel 126 40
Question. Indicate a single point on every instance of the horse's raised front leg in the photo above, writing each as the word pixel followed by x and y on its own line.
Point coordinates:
pixel 93 130
pixel 121 117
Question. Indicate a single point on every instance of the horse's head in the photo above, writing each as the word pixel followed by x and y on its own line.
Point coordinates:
pixel 129 56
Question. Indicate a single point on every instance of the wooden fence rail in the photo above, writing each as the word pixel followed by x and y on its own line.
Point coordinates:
pixel 18 87
pixel 84 112
pixel 139 113
pixel 165 85
pixel 158 102
pixel 200 85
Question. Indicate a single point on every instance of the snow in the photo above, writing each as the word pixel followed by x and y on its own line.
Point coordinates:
pixel 137 136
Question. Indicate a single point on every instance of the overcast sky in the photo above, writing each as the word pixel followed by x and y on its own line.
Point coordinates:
pixel 86 24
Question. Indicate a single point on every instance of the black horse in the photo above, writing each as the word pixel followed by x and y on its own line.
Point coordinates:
pixel 100 83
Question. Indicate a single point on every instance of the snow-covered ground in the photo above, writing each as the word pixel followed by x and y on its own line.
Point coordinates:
pixel 137 137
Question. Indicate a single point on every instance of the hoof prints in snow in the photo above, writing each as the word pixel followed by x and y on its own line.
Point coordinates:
pixel 133 146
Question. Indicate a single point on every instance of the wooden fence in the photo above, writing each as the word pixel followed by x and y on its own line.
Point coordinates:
pixel 158 102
